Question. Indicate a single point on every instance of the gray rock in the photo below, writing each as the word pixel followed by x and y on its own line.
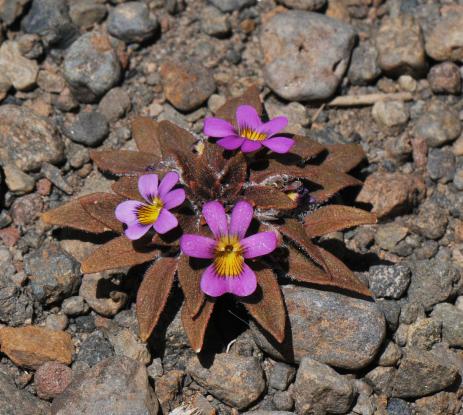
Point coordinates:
pixel 26 209
pixel 319 389
pixel 126 343
pixel 281 376
pixel 380 379
pixel 432 282
pixel 57 322
pixel 309 5
pixel 114 104
pixel 390 115
pixel 423 334
pixel 458 179
pixel 332 328
pixel 90 129
pixel 410 312
pixel 389 235
pixel 74 306
pixel 441 164
pixel 10 10
pixel 94 349
pixel 431 221
pixel 53 274
pixel 445 42
pixel 283 401
pixel 131 22
pixel 85 13
pixel 390 355
pixel 236 380
pixel 293 41
pixel 50 19
pixel 14 401
pixel 391 312
pixel 231 5
pixel 28 139
pixel 451 319
pixel 398 407
pixel 214 23
pixel 117 386
pixel 91 66
pixel 399 42
pixel 439 126
pixel 363 68
pixel 389 281
pixel 55 176
pixel 445 78
pixel 15 307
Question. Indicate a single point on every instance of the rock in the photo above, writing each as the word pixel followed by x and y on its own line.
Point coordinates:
pixel 57 322
pixel 26 209
pixel 423 334
pixel 50 81
pixel 389 235
pixel 54 175
pixel 399 42
pixel 101 295
pixel 17 181
pixel 390 115
pixel 10 10
pixel 445 42
pixel 442 403
pixel 445 78
pixel 297 115
pixel 236 380
pixel 91 66
pixel 390 355
pixel 16 70
pixel 15 307
pixel 24 346
pixel 85 13
pixel 441 164
pixel 335 329
pixel 398 407
pixel 90 129
pixel 309 5
pixel 30 46
pixel 389 281
pixel 28 139
pixel 131 22
pixel 281 376
pixel 295 40
pixel 438 126
pixel 363 68
pixel 231 5
pixel 114 104
pixel 14 401
pixel 431 221
pixel 168 387
pixel 53 274
pixel 125 343
pixel 319 389
pixel 391 193
pixel 451 319
pixel 391 312
pixel 458 147
pixel 407 83
pixel 214 23
pixel 51 379
pixel 433 281
pixel 187 85
pixel 117 386
pixel 421 373
pixel 50 19
pixel 458 179
pixel 283 401
pixel 94 349
pixel 380 379
pixel 74 306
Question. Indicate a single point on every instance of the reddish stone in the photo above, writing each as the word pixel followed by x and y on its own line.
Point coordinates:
pixel 51 379
pixel 44 187
pixel 26 209
pixel 9 235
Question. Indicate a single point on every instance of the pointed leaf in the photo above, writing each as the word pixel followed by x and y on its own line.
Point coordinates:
pixel 117 253
pixel 173 138
pixel 195 328
pixel 73 215
pixel 306 148
pixel 213 155
pixel 189 277
pixel 343 157
pixel 266 306
pixel 302 268
pixel 250 97
pixel 334 218
pixel 127 186
pixel 153 293
pixel 123 161
pixel 233 176
pixel 145 132
pixel 266 197
pixel 101 206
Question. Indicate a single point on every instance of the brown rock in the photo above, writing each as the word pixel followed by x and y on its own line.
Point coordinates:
pixel 187 85
pixel 32 346
pixel 168 388
pixel 442 403
pixel 26 209
pixel 51 379
pixel 391 193
pixel 445 41
pixel 445 78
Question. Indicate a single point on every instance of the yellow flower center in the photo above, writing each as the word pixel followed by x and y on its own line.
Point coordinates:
pixel 148 214
pixel 228 253
pixel 252 135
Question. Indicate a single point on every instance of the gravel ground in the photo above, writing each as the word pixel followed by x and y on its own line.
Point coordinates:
pixel 72 75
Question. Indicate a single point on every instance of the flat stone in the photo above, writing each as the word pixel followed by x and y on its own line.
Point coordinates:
pixel 445 42
pixel 51 379
pixel 116 386
pixel 442 403
pixel 85 13
pixel 389 281
pixel 281 376
pixel 451 319
pixel 438 126
pixel 17 181
pixel 332 328
pixel 441 164
pixel 28 139
pixel 19 71
pixel 380 379
pixel 319 389
pixel 390 115
pixel 309 5
pixel 215 23
pixel 125 343
pixel 89 129
pixel 390 355
pixel 388 235
pixel 24 346
pixel 236 380
pixel 445 78
pixel 231 5
pixel 293 41
pixel 363 68
pixel 115 104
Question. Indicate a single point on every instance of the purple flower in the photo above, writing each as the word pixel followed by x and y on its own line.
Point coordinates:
pixel 140 217
pixel 228 273
pixel 250 134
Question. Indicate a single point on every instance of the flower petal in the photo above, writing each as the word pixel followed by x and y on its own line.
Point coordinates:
pixel 148 186
pixel 136 230
pixel 213 285
pixel 231 142
pixel 126 212
pixel 246 116
pixel 215 216
pixel 167 183
pixel 241 217
pixel 243 285
pixel 197 246
pixel 279 144
pixel 259 244
pixel 174 198
pixel 165 222
pixel 216 127
pixel 273 126
pixel 249 146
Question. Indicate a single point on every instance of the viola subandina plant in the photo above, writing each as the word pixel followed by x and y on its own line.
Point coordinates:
pixel 250 220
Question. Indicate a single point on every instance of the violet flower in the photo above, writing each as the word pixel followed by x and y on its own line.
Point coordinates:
pixel 140 217
pixel 229 272
pixel 250 133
